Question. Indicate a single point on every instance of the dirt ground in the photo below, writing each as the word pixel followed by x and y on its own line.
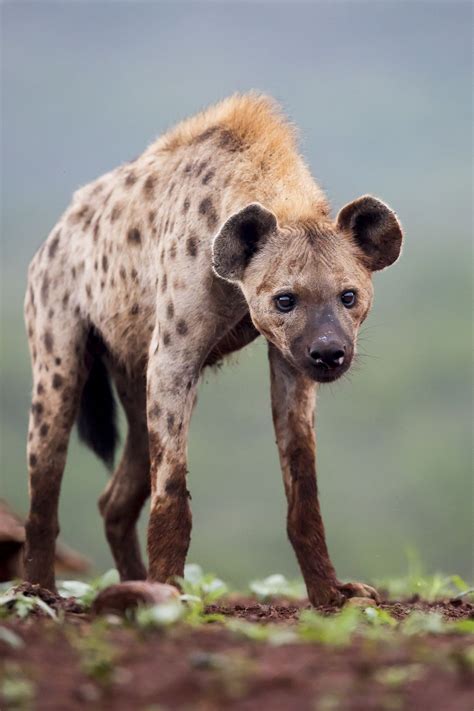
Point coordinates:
pixel 82 664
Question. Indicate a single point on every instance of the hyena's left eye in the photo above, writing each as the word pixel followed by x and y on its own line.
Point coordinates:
pixel 348 298
pixel 285 302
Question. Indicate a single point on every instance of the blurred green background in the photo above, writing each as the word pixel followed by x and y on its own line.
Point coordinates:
pixel 382 94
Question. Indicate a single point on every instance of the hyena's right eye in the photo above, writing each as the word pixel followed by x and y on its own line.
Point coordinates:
pixel 285 302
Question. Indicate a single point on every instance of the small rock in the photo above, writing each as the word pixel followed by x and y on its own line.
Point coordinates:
pixel 360 602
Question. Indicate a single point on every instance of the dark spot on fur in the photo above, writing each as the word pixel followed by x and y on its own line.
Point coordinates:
pixel 105 262
pixel 53 245
pixel 116 212
pixel 44 429
pixel 65 299
pixel 37 410
pixel 50 313
pixel 96 230
pixel 170 422
pixel 206 208
pixel 164 283
pixel 191 246
pixel 188 167
pixel 33 460
pixel 48 341
pixel 208 177
pixel 148 186
pixel 200 167
pixel 186 205
pixel 57 381
pixel 170 310
pixel 134 236
pixel 229 141
pixel 102 284
pixel 73 272
pixel 173 250
pixel 77 310
pixel 88 291
pixel 40 389
pixel 181 327
pixel 151 217
pixel 130 179
pixel 57 361
pixel 134 274
pixel 166 338
pixel 135 309
pixel 155 412
pixel 123 273
pixel 45 290
pixel 206 134
pixel 88 221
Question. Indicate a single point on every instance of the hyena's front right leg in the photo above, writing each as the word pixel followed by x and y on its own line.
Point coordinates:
pixel 174 366
pixel 57 348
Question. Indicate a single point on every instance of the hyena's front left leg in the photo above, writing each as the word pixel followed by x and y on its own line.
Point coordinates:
pixel 293 403
pixel 57 347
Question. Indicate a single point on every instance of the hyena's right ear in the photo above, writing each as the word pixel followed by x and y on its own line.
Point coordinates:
pixel 239 238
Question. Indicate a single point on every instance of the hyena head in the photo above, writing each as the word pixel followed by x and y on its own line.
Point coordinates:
pixel 309 287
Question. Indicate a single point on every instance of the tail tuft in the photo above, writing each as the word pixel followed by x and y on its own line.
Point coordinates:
pixel 97 419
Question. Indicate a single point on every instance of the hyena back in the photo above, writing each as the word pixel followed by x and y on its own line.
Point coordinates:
pixel 216 234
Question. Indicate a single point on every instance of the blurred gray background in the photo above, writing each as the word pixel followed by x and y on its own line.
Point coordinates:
pixel 381 92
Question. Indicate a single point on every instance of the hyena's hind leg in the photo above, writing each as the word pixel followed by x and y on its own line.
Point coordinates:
pixel 129 487
pixel 57 338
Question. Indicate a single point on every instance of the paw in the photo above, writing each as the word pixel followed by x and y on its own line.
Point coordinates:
pixel 123 596
pixel 338 593
pixel 359 590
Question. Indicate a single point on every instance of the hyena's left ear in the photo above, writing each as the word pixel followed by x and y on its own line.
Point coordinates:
pixel 239 238
pixel 375 228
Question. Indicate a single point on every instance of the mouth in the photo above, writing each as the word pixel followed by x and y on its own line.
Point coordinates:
pixel 323 374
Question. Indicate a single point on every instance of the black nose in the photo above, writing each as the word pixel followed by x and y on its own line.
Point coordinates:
pixel 329 355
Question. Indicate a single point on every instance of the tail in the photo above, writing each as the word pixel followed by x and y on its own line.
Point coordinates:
pixel 97 418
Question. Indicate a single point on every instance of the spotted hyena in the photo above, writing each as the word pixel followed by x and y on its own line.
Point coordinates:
pixel 215 235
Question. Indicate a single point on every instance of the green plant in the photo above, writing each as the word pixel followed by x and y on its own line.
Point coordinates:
pixel 85 593
pixel 418 582
pixel 159 616
pixel 277 585
pixel 21 605
pixel 206 586
pixel 16 690
pixel 97 656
